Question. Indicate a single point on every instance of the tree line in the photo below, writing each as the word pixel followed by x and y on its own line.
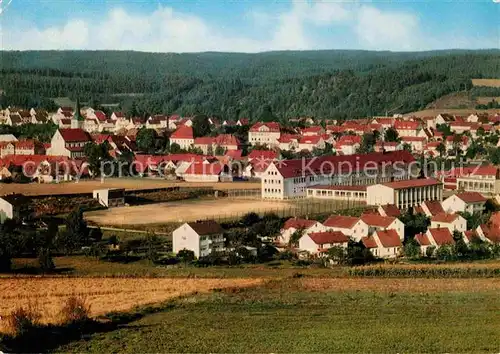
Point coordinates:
pixel 324 84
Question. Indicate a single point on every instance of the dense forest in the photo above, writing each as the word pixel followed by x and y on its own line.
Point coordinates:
pixel 324 84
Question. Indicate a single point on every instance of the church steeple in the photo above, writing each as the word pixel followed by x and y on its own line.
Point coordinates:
pixel 77 121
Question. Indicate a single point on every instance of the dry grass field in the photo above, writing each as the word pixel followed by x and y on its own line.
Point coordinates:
pixel 181 211
pixel 102 294
pixel 127 183
pixel 486 100
pixel 486 82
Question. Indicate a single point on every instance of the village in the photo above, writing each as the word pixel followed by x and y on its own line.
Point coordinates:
pixel 331 161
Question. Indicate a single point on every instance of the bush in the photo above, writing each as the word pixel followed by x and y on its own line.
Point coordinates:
pixel 75 310
pixel 429 252
pixel 21 320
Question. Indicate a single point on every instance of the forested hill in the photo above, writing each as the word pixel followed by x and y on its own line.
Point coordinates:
pixel 317 83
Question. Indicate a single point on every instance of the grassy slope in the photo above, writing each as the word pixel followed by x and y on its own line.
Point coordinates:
pixel 285 317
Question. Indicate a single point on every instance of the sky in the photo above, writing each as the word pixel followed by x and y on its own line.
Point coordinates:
pixel 249 26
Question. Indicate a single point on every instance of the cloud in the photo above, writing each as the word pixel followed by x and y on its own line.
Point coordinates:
pixel 387 30
pixel 306 24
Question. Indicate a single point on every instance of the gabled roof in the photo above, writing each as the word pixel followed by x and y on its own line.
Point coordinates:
pixel 75 135
pixel 491 232
pixel 434 206
pixel 471 197
pixel 287 138
pixel 340 221
pixel 321 238
pixel 389 238
pixel 226 139
pixel 271 126
pixel 377 220
pixel 391 210
pixel 183 132
pixel 406 125
pixel 422 240
pixel 442 236
pixel 101 116
pixel 298 223
pixel 445 217
pixel 208 227
pixel 369 242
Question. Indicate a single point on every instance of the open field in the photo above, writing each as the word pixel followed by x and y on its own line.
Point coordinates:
pixel 219 209
pixel 318 315
pixel 486 82
pixel 102 294
pixel 180 211
pixel 127 183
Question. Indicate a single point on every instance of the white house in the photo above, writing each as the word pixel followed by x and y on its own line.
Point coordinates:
pixel 69 142
pixel 435 237
pixel 201 237
pixel 348 225
pixel 383 244
pixel 377 222
pixel 183 136
pixel 450 221
pixel 264 134
pixel 471 202
pixel 319 242
pixel 294 224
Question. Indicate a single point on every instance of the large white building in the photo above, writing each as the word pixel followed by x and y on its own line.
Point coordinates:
pixel 201 237
pixel 290 179
pixel 405 194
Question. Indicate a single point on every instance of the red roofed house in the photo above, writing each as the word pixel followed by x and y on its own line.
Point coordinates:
pixel 348 225
pixel 227 141
pixel 451 221
pixel 489 233
pixel 383 244
pixel 471 202
pixel 435 237
pixel 417 143
pixel 264 134
pixel 407 128
pixel 348 144
pixel 430 208
pixel 389 210
pixel 318 243
pixel 28 147
pixel 69 142
pixel 294 224
pixel 405 193
pixel 183 136
pixel 310 142
pixel 381 223
pixel 311 131
pixel 289 141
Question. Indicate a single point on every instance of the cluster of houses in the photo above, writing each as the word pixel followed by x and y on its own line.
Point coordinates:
pixel 419 134
pixel 380 230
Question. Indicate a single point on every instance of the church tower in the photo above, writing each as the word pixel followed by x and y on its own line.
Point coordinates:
pixel 77 120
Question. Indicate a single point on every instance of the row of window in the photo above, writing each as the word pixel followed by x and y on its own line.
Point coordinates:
pixel 272 190
pixel 271 181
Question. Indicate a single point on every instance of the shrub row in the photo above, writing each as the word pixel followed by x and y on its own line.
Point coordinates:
pixel 435 271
